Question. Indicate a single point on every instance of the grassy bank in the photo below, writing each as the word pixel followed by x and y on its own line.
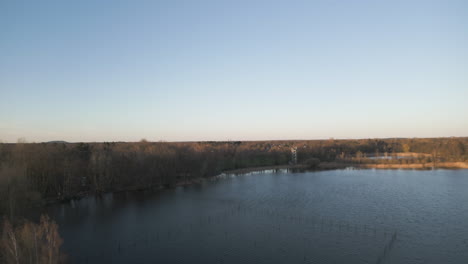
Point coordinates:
pixel 418 166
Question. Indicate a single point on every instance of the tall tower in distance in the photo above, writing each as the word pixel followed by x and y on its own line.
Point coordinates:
pixel 294 155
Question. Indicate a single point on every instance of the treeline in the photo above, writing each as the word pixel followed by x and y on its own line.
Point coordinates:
pixel 31 173
pixel 443 149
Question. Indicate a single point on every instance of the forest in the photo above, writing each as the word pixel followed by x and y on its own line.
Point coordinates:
pixel 34 174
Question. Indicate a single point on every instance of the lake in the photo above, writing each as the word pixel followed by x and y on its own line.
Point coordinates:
pixel 339 216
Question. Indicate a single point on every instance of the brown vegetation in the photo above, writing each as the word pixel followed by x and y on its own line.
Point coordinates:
pixel 416 166
pixel 33 173
pixel 31 243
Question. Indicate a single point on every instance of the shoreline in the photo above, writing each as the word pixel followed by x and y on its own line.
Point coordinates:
pixel 264 168
pixel 412 166
pixel 323 166
pixel 343 165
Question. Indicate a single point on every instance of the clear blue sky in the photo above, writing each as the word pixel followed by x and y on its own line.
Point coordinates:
pixel 232 70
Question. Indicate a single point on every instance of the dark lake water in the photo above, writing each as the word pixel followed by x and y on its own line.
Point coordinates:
pixel 341 216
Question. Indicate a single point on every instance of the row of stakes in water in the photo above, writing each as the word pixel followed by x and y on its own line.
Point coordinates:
pixel 317 222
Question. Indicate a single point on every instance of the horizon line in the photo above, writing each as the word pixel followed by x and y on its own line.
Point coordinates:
pixel 228 140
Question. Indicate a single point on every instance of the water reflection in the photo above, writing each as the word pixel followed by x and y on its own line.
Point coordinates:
pixel 343 216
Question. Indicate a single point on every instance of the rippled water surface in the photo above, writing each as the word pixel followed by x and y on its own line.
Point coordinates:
pixel 342 216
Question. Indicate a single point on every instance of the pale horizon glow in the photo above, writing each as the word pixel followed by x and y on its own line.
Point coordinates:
pixel 232 70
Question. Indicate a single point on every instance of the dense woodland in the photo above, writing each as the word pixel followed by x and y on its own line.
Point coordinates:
pixel 31 173
pixel 34 173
